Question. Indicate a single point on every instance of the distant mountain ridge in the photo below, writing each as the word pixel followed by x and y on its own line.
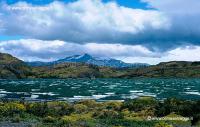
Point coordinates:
pixel 13 68
pixel 86 58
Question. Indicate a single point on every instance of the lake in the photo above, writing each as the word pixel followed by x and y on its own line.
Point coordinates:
pixel 99 89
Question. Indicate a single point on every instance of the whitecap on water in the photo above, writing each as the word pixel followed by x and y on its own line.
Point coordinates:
pixel 30 83
pixel 193 93
pixel 80 98
pixel 4 92
pixel 105 86
pixel 187 88
pixel 136 91
pixel 146 94
pixel 129 96
pixel 110 93
pixel 112 86
pixel 53 84
pixel 74 87
pixel 95 97
pixel 125 86
pixel 92 91
pixel 49 94
pixel 118 83
pixel 138 83
pixel 13 82
pixel 35 90
pixel 78 85
pixel 33 96
pixel 99 96
pixel 2 95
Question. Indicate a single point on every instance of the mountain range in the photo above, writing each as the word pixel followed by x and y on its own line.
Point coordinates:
pixel 14 68
pixel 86 58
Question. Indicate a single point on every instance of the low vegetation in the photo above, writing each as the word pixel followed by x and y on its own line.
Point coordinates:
pixel 140 112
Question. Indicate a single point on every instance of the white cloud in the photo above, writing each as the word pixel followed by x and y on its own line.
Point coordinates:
pixel 116 50
pixel 184 17
pixel 186 53
pixel 80 21
pixel 32 49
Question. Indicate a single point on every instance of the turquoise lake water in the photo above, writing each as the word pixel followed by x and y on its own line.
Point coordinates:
pixel 99 89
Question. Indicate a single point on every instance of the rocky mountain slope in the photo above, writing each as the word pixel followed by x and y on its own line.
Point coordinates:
pixel 86 58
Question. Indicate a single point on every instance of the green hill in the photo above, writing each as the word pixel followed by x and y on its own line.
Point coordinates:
pixel 181 69
pixel 11 67
pixel 76 70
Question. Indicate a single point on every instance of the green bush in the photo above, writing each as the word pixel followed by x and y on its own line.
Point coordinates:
pixel 49 119
pixel 11 108
pixel 112 105
pixel 76 118
pixel 16 119
pixel 163 124
pixel 107 114
pixel 38 109
pixel 3 111
pixel 180 107
pixel 59 108
pixel 139 104
pixel 80 108
pixel 89 103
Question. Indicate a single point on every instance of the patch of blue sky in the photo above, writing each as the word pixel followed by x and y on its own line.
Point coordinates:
pixel 6 38
pixel 126 3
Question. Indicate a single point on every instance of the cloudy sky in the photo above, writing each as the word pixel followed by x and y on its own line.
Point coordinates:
pixel 147 31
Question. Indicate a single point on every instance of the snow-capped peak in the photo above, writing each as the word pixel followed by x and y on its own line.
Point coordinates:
pixel 99 61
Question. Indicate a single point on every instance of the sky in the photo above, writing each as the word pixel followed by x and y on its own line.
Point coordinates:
pixel 146 31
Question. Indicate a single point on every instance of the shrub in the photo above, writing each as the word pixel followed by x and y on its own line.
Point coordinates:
pixel 59 108
pixel 149 111
pixel 80 108
pixel 38 109
pixel 140 104
pixel 49 119
pixel 76 118
pixel 89 103
pixel 163 124
pixel 131 115
pixel 68 120
pixel 12 108
pixel 107 114
pixel 113 105
pixel 3 111
pixel 180 107
pixel 16 119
